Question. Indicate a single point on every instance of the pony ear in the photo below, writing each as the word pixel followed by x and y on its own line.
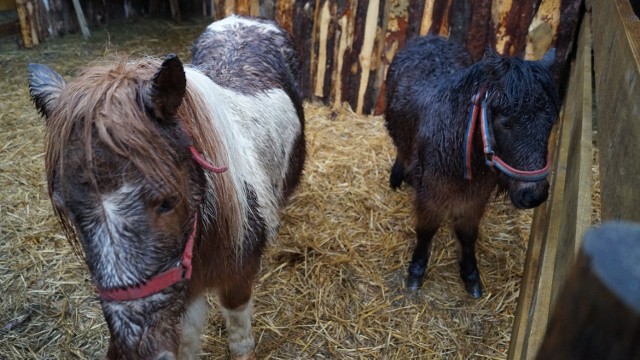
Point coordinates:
pixel 167 88
pixel 45 87
pixel 497 66
pixel 549 58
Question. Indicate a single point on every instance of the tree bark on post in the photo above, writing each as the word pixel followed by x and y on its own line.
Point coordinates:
pixel 27 32
pixel 511 19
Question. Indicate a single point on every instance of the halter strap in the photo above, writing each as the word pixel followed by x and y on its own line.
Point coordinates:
pixel 479 106
pixel 181 271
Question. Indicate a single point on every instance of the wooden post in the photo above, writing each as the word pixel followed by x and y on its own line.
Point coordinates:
pixel 543 29
pixel 81 19
pixel 242 7
pixel 479 27
pixel 26 23
pixel 559 224
pixel 597 315
pixel 343 40
pixel 175 10
pixel 617 94
pixel 511 19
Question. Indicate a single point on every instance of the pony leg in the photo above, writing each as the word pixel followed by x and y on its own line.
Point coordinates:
pixel 237 308
pixel 193 323
pixel 466 229
pixel 397 174
pixel 426 227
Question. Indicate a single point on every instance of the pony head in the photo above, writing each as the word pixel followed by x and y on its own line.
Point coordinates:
pixel 523 106
pixel 124 186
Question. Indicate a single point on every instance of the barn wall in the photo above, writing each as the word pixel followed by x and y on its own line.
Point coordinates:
pixel 346 46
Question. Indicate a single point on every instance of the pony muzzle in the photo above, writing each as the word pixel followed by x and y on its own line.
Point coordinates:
pixel 528 195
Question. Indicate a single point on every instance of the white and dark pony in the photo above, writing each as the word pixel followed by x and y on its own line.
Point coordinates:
pixel 171 179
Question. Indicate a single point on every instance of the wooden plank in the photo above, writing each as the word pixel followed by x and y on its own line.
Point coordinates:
pixel 377 78
pixel 570 14
pixel 539 311
pixel 302 22
pixel 459 21
pixel 365 58
pixel 529 277
pixel 344 39
pixel 416 14
pixel 218 9
pixel 254 8
pixel 229 7
pixel 577 207
pixel 27 23
pixel 479 28
pixel 242 7
pixel 543 29
pixel 345 59
pixel 351 72
pixel 617 94
pixel 435 18
pixel 511 19
pixel 562 224
pixel 82 21
pixel 323 43
pixel 284 15
pixel 395 39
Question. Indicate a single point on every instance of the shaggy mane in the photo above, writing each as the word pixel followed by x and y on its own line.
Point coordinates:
pixel 105 106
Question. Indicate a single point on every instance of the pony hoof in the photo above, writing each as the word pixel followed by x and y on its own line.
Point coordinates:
pixel 248 356
pixel 414 282
pixel 397 175
pixel 394 183
pixel 474 288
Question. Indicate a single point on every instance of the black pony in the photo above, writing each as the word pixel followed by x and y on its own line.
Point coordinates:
pixel 461 130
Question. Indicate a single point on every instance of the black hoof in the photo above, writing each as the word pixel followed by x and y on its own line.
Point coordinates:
pixel 473 285
pixel 414 282
pixel 395 181
pixel 415 276
pixel 474 289
pixel 397 175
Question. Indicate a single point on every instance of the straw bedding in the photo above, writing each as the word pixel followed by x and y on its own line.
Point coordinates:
pixel 331 286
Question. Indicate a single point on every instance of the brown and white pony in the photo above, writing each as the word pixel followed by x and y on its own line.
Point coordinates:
pixel 150 163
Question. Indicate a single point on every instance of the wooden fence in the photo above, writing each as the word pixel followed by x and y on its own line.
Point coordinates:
pixel 603 93
pixel 347 45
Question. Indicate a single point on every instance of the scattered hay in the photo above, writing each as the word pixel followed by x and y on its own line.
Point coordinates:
pixel 332 284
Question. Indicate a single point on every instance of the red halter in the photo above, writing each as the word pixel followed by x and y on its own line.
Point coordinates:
pixel 182 270
pixel 491 159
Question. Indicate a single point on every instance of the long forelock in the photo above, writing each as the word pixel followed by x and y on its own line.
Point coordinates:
pixel 103 109
pixel 528 83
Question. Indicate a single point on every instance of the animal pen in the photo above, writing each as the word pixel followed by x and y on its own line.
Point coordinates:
pixel 332 284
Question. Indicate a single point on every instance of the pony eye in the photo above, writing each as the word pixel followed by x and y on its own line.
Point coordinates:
pixel 505 123
pixel 165 206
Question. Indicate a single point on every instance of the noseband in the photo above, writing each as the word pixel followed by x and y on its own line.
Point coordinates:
pixel 491 159
pixel 181 271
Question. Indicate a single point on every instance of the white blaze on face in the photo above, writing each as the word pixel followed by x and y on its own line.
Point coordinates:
pixel 110 235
